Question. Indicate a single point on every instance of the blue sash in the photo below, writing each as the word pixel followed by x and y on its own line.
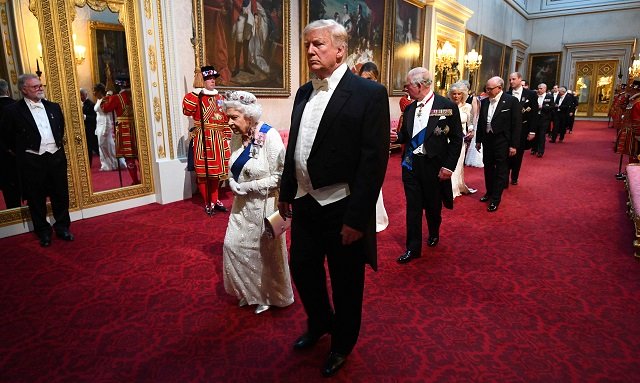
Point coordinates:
pixel 416 141
pixel 239 163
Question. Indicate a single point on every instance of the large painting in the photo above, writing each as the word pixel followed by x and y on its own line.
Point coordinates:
pixel 407 42
pixel 492 60
pixel 248 45
pixel 506 64
pixel 544 68
pixel 365 22
pixel 109 50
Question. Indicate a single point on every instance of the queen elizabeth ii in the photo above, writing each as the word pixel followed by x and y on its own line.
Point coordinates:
pixel 255 266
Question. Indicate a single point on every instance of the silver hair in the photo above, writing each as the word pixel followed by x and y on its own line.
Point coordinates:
pixel 4 87
pixel 245 103
pixel 23 78
pixel 420 75
pixel 84 92
pixel 460 87
pixel 339 35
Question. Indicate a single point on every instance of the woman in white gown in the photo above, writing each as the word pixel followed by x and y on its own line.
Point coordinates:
pixel 369 71
pixel 458 93
pixel 255 266
pixel 474 156
pixel 104 131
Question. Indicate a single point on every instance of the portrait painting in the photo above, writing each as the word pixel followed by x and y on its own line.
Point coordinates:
pixel 506 64
pixel 407 42
pixel 109 50
pixel 365 22
pixel 492 60
pixel 247 41
pixel 544 68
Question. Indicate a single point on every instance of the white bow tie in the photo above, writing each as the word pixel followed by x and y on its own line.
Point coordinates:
pixel 36 105
pixel 320 84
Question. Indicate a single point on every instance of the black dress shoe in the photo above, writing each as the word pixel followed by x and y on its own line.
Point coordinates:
pixel 407 256
pixel 484 198
pixel 533 152
pixel 492 207
pixel 45 240
pixel 539 155
pixel 220 207
pixel 64 235
pixel 514 182
pixel 307 340
pixel 432 241
pixel 334 363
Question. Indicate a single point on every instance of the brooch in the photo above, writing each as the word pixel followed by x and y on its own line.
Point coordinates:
pixel 438 130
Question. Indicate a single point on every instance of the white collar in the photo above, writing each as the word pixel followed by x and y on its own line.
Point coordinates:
pixel 336 76
pixel 205 91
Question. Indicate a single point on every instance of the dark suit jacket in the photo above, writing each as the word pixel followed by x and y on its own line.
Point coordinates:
pixel 351 146
pixel 529 103
pixel 90 113
pixel 444 147
pixel 548 106
pixel 507 120
pixel 20 131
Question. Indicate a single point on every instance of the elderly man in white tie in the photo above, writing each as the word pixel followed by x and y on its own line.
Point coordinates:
pixel 33 129
pixel 432 132
pixel 498 132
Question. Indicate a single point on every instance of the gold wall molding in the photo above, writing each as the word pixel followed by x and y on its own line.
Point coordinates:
pixel 153 63
pixel 147 8
pixel 157 112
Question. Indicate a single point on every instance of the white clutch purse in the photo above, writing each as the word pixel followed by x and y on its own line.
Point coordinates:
pixel 275 225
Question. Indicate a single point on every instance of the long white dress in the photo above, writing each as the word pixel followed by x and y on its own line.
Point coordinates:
pixel 457 178
pixel 255 266
pixel 474 157
pixel 106 143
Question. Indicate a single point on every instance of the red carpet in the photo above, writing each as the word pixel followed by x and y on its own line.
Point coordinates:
pixel 544 290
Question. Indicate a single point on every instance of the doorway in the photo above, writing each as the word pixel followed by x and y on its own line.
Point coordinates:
pixel 595 83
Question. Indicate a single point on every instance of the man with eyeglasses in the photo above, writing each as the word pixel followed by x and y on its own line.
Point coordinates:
pixel 33 129
pixel 498 131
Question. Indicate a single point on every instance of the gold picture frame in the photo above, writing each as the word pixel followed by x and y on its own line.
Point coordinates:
pixel 109 52
pixel 219 23
pixel 407 44
pixel 368 30
pixel 544 68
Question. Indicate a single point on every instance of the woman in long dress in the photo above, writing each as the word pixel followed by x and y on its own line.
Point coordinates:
pixel 458 94
pixel 104 131
pixel 255 266
pixel 474 156
pixel 369 71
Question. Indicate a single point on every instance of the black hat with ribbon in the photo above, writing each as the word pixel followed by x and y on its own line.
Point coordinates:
pixel 209 72
pixel 123 81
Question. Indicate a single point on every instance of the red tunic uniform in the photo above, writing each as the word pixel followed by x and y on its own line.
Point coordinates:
pixel 126 144
pixel 217 134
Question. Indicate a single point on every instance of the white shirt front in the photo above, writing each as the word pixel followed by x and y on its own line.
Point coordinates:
pixel 517 93
pixel 309 123
pixel 493 104
pixel 421 118
pixel 47 141
pixel 541 101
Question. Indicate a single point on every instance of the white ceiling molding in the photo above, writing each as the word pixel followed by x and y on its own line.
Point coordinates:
pixel 558 8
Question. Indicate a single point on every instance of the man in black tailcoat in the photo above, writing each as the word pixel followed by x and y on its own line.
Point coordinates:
pixel 432 133
pixel 35 131
pixel 545 116
pixel 334 168
pixel 528 131
pixel 498 132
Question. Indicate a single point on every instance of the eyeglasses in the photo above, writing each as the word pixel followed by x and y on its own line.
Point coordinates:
pixel 34 87
pixel 487 88
pixel 540 88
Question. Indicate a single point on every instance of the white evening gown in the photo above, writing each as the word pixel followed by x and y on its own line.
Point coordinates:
pixel 382 219
pixel 457 178
pixel 474 157
pixel 106 143
pixel 255 266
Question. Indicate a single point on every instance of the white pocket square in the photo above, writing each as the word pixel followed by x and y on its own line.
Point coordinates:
pixel 442 118
pixel 505 110
pixel 526 101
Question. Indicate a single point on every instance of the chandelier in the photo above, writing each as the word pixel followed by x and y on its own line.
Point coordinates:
pixel 634 69
pixel 472 60
pixel 446 56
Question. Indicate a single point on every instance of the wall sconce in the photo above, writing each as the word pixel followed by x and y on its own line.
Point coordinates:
pixel 634 69
pixel 446 56
pixel 472 60
pixel 79 51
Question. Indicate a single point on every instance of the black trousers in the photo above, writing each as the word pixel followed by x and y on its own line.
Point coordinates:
pixel 422 192
pixel 515 164
pixel 560 126
pixel 315 235
pixel 496 166
pixel 46 176
pixel 543 128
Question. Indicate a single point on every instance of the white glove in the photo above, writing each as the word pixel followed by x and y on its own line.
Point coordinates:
pixel 236 187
